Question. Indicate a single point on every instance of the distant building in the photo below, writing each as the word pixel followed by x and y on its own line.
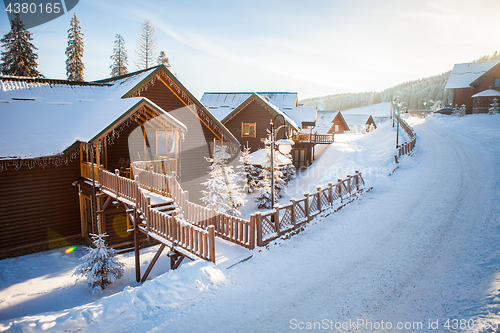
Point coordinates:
pixel 469 79
pixel 361 121
pixel 339 124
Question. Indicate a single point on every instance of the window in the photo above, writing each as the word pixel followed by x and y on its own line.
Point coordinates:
pixel 496 83
pixel 165 143
pixel 336 128
pixel 248 130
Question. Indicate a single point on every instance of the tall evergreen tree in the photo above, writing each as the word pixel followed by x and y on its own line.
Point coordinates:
pixel 119 57
pixel 163 59
pixel 19 57
pixel 74 51
pixel 146 46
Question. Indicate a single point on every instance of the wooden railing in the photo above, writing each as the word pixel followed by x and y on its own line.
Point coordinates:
pixel 314 137
pixel 408 146
pixel 166 185
pixel 156 224
pixel 164 166
pixel 86 170
pixel 273 224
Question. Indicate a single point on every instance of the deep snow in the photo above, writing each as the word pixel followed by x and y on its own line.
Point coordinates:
pixel 420 248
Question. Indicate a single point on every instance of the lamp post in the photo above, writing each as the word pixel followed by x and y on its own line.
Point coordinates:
pixel 284 146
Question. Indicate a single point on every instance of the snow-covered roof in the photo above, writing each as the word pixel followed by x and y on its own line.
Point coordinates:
pixel 43 117
pixel 487 93
pixel 358 120
pixel 462 75
pixel 223 104
pixel 259 157
pixel 289 120
pixel 302 114
pixel 324 121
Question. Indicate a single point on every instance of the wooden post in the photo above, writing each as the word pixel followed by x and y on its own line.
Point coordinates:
pixel 251 233
pixel 277 221
pixel 211 237
pixel 258 225
pixel 306 205
pixel 318 188
pixel 339 189
pixel 330 193
pixel 136 247
pixel 357 180
pixel 292 213
pixel 349 184
pixel 147 214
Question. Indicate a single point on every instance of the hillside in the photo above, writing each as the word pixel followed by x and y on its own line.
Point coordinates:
pixel 419 94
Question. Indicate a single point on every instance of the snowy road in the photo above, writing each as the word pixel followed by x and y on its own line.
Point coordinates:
pixel 419 249
pixel 424 248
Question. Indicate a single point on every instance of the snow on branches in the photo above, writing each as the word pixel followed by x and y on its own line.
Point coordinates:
pixel 494 107
pixel 99 265
pixel 222 187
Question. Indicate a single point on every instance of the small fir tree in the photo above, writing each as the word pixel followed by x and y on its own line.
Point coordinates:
pixel 249 173
pixel 494 107
pixel 222 188
pixel 74 51
pixel 354 129
pixel 19 57
pixel 163 59
pixel 371 128
pixel 146 46
pixel 99 265
pixel 119 57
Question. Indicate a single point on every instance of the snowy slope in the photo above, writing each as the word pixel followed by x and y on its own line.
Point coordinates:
pixel 420 248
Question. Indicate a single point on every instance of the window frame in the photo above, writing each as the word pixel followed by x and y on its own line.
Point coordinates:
pixel 496 82
pixel 167 133
pixel 254 125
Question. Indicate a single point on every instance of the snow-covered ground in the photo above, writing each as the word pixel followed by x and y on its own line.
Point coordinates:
pixel 419 249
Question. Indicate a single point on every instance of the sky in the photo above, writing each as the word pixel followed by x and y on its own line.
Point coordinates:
pixel 315 48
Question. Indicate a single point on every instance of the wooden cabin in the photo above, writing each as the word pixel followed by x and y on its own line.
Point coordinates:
pixel 248 116
pixel 339 125
pixel 55 130
pixel 469 79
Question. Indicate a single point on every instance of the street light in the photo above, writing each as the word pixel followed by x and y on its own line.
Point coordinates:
pixel 284 146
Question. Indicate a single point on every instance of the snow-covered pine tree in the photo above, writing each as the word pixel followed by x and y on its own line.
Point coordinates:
pixel 222 188
pixel 74 51
pixel 263 199
pixel 371 128
pixel 146 46
pixel 494 107
pixel 163 59
pixel 99 265
pixel 119 57
pixel 249 173
pixel 19 57
pixel 354 129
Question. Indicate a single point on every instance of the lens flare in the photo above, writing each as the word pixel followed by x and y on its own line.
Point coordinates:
pixel 70 249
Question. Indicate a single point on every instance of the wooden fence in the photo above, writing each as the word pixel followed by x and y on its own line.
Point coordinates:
pixel 408 146
pixel 273 224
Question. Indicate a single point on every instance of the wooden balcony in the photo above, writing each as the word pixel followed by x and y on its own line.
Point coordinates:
pixel 313 138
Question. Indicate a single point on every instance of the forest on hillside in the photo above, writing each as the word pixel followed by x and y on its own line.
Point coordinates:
pixel 419 94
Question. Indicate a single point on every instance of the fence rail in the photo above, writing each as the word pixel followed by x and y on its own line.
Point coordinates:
pixel 164 166
pixel 408 146
pixel 272 224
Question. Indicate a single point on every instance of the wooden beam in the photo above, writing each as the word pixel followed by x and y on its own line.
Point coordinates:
pixel 152 263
